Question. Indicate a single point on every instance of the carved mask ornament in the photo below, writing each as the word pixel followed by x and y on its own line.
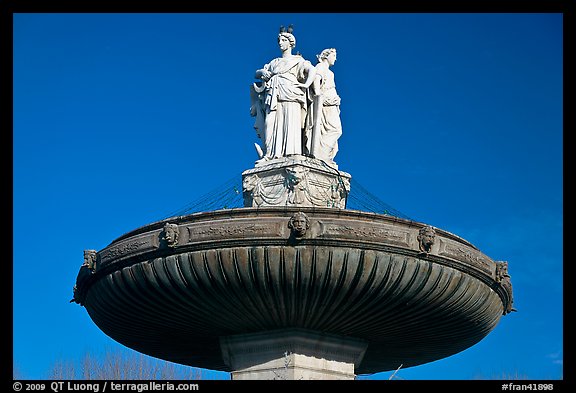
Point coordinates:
pixel 170 234
pixel 90 260
pixel 299 224
pixel 426 237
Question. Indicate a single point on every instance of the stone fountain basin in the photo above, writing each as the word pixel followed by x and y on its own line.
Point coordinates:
pixel 237 271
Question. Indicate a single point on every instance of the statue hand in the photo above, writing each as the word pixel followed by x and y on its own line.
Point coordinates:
pixel 265 75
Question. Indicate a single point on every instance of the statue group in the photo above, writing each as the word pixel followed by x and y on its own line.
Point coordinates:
pixel 296 106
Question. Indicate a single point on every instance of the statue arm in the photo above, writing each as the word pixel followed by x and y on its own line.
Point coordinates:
pixel 320 78
pixel 310 72
pixel 263 73
pixel 254 101
pixel 317 84
pixel 257 110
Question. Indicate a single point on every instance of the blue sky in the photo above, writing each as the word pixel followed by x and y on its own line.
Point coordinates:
pixel 453 119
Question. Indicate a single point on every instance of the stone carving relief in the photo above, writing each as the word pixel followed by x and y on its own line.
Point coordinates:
pixel 299 224
pixel 426 238
pixel 87 268
pixel 90 260
pixel 340 189
pixel 295 182
pixel 466 254
pixel 502 271
pixel 503 278
pixel 377 233
pixel 295 185
pixel 203 232
pixel 252 190
pixel 75 295
pixel 169 235
pixel 121 249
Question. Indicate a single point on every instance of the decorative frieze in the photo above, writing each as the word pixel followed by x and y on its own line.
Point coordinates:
pixel 123 249
pixel 295 181
pixel 219 231
pixel 465 254
pixel 377 233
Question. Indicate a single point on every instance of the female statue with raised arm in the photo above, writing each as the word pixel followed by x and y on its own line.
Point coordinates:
pixel 280 103
pixel 323 124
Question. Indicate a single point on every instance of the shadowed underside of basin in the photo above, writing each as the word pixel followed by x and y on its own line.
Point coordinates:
pixel 243 271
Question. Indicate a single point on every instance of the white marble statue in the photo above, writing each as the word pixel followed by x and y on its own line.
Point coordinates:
pixel 280 102
pixel 323 125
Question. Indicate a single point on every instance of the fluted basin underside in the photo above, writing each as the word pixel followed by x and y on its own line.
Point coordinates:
pixel 242 271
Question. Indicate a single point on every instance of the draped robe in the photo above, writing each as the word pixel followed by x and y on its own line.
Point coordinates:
pixel 285 106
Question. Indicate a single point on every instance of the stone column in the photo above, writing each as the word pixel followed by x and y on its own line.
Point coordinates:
pixel 292 354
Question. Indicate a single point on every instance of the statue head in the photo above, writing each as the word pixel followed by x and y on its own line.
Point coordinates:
pixel 249 183
pixel 503 278
pixel 295 175
pixel 90 259
pixel 325 54
pixel 426 236
pixel 287 33
pixel 170 234
pixel 502 271
pixel 299 224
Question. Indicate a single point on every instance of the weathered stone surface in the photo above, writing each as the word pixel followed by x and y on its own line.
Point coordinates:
pixel 244 271
pixel 295 181
pixel 292 354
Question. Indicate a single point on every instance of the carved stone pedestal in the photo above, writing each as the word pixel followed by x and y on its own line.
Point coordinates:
pixel 295 181
pixel 292 354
